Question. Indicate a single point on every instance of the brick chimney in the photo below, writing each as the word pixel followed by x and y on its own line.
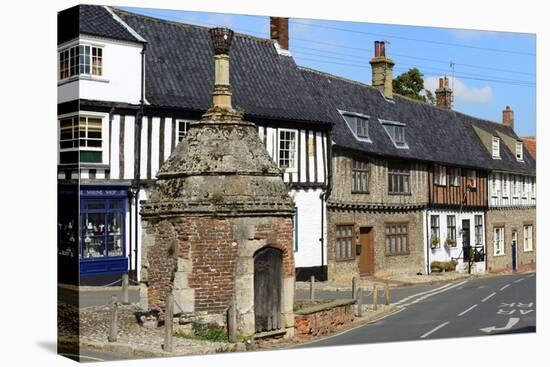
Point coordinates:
pixel 508 117
pixel 444 94
pixel 382 68
pixel 279 31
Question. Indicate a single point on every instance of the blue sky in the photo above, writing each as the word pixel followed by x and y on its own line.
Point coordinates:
pixel 491 69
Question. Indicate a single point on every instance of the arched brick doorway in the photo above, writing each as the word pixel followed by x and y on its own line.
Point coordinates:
pixel 268 263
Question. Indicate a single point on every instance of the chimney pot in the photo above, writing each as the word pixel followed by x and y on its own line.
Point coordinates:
pixel 382 70
pixel 443 94
pixel 508 117
pixel 278 27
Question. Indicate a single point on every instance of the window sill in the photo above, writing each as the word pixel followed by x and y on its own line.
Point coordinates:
pixel 400 194
pixel 360 192
pixel 532 250
pixel 392 255
pixel 82 77
pixel 499 255
pixel 344 260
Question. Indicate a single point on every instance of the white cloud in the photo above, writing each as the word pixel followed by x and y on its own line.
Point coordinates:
pixel 461 91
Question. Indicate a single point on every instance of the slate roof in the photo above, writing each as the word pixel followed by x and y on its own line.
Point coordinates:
pixel 96 20
pixel 433 134
pixel 180 72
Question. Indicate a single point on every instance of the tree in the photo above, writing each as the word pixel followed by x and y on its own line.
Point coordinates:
pixel 411 84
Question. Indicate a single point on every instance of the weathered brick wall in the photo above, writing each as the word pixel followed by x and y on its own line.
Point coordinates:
pixel 322 322
pixel 378 182
pixel 210 245
pixel 385 265
pixel 512 219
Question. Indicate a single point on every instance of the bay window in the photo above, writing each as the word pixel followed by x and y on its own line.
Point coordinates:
pixel 80 139
pixel 80 60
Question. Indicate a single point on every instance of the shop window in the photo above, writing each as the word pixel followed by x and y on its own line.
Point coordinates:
pixel 102 228
pixel 397 238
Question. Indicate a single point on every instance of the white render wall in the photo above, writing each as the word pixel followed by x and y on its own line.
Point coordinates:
pixel 121 77
pixel 310 206
pixel 443 254
pixel 502 192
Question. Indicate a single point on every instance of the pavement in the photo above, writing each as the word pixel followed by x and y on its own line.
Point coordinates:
pixel 83 297
pixel 465 308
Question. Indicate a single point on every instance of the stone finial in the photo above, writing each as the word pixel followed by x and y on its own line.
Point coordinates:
pixel 221 40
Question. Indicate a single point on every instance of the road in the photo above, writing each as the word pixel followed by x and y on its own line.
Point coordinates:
pixel 485 306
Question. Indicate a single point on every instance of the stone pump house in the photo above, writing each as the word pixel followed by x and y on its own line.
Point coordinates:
pixel 218 224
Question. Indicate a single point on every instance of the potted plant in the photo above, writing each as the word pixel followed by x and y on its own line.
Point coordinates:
pixel 434 243
pixel 449 242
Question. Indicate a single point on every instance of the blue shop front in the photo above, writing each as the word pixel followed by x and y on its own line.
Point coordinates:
pixel 102 233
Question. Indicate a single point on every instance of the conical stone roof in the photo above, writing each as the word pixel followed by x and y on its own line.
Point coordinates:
pixel 221 168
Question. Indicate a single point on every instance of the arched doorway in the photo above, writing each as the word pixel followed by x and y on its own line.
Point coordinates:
pixel 267 289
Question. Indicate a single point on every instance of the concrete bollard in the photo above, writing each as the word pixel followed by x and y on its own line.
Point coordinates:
pixel 125 300
pixel 169 323
pixel 375 297
pixel 312 287
pixel 113 328
pixel 387 294
pixel 354 288
pixel 359 302
pixel 232 323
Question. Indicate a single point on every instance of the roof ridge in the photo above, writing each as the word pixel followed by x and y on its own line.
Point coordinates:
pixel 186 25
pixel 305 68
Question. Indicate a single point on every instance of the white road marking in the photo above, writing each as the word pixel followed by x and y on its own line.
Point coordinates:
pixel 82 357
pixel 506 286
pixel 489 296
pixel 519 280
pixel 530 276
pixel 464 312
pixel 422 293
pixel 434 329
pixel 434 293
pixel 511 322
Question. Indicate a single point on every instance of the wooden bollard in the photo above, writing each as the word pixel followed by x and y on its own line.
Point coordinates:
pixel 387 294
pixel 113 328
pixel 312 287
pixel 375 297
pixel 169 323
pixel 125 300
pixel 359 302
pixel 354 288
pixel 232 323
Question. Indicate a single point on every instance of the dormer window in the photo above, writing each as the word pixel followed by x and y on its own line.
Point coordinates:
pixel 358 124
pixel 396 132
pixel 80 60
pixel 496 147
pixel 519 151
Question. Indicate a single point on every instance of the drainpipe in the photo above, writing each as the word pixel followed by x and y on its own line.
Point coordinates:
pixel 427 243
pixel 324 198
pixel 137 166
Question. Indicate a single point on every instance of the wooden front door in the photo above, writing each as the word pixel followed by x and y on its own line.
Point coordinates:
pixel 366 258
pixel 267 289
